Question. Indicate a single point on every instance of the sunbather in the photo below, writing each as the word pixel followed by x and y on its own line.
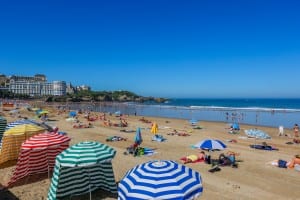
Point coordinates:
pixel 284 164
pixel 228 159
pixel 194 158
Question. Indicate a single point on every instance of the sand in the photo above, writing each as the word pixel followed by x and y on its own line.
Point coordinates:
pixel 253 179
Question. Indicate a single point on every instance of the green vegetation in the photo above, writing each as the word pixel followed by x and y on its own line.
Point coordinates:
pixel 97 96
pixel 87 96
pixel 10 95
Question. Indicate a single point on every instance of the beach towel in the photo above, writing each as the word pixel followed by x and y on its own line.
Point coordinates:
pixel 198 127
pixel 263 147
pixel 158 138
pixel 149 151
pixel 127 131
pixel 255 133
pixel 115 138
pixel 184 159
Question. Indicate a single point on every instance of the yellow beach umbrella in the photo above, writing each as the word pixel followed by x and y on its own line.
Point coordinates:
pixel 154 128
pixel 13 139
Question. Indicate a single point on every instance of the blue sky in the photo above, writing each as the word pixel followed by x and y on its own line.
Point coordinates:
pixel 167 48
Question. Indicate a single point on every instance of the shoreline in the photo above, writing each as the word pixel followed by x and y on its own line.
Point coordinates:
pixel 250 117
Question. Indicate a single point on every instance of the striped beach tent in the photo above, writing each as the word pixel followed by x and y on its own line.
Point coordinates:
pixel 13 139
pixel 38 154
pixel 160 180
pixel 3 123
pixel 82 168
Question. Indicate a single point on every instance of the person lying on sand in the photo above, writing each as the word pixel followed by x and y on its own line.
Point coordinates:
pixel 194 158
pixel 228 159
pixel 284 164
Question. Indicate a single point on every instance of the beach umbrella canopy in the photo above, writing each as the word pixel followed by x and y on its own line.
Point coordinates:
pixel 160 180
pixel 154 128
pixel 19 122
pixel 210 144
pixel 138 136
pixel 38 154
pixel 3 123
pixel 13 139
pixel 83 168
pixel 24 129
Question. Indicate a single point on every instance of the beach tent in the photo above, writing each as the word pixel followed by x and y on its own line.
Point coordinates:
pixel 154 128
pixel 210 144
pixel 38 154
pixel 13 139
pixel 160 180
pixel 3 123
pixel 82 168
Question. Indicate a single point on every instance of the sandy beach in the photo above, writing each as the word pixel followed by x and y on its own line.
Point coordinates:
pixel 253 179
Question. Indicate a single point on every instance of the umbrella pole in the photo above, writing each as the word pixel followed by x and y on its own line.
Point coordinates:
pixel 90 192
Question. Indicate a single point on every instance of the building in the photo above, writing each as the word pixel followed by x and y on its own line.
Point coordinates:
pixel 35 78
pixel 23 87
pixel 59 88
pixel 70 89
pixel 56 88
pixel 83 87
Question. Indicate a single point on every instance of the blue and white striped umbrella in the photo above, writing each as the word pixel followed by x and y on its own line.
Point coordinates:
pixel 210 144
pixel 160 180
pixel 19 122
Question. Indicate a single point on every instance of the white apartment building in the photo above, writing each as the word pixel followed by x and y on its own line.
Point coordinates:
pixel 56 88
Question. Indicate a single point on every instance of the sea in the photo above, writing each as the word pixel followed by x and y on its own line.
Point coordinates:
pixel 273 112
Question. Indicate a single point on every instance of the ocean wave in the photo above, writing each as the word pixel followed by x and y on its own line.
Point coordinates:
pixel 246 108
pixel 222 108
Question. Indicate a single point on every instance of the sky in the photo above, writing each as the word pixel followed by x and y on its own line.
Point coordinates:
pixel 165 48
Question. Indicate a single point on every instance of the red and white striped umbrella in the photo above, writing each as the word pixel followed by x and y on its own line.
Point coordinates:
pixel 38 154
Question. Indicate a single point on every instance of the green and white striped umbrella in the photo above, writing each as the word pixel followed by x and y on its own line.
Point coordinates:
pixel 3 123
pixel 82 168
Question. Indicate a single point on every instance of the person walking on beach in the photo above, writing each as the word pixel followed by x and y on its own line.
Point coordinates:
pixel 296 130
pixel 281 131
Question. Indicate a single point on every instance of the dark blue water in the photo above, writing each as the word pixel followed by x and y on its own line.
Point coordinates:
pixel 238 103
pixel 266 112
